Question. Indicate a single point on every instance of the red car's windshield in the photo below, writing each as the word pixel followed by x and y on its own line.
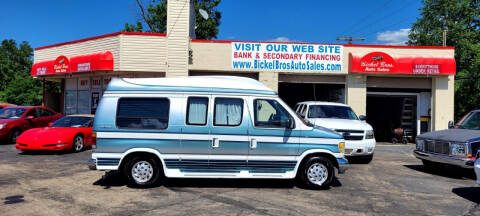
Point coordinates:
pixel 12 113
pixel 73 121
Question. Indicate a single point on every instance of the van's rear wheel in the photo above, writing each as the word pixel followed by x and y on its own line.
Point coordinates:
pixel 142 172
pixel 317 173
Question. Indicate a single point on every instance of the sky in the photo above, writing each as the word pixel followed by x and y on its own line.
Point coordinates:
pixel 49 22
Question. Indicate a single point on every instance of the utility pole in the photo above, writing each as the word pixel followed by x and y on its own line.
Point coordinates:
pixel 444 36
pixel 350 39
pixel 443 20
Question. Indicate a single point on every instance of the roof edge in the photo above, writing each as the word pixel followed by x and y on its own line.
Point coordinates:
pixel 102 36
pixel 230 41
pixel 346 45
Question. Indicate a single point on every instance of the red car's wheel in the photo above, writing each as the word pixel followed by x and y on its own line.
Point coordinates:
pixel 77 144
pixel 13 135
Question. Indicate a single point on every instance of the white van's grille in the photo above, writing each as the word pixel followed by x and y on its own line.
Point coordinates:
pixel 351 134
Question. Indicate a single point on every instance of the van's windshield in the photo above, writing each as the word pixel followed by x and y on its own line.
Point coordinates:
pixel 331 111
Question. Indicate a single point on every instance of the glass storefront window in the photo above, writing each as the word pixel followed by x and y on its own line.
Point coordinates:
pixel 70 102
pixel 83 102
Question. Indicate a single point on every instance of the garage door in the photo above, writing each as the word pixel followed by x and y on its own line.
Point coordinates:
pixel 399 82
pixel 290 78
pixel 298 88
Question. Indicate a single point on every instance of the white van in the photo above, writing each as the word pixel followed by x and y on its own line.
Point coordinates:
pixel 209 127
pixel 358 134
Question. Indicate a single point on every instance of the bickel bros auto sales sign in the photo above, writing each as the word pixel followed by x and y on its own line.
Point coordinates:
pixel 286 57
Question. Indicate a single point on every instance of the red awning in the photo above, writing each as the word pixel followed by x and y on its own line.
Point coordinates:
pixel 74 64
pixel 42 67
pixel 380 62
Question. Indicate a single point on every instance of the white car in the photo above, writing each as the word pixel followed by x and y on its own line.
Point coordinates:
pixel 358 134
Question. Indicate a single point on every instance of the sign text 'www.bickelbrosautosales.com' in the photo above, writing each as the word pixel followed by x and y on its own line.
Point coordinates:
pixel 286 57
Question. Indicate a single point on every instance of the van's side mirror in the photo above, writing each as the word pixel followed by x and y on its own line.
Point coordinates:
pixel 291 123
pixel 362 118
pixel 451 125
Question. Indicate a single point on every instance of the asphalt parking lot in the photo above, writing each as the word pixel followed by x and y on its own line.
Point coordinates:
pixel 394 183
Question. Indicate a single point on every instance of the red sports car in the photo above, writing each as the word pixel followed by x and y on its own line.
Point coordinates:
pixel 73 132
pixel 14 120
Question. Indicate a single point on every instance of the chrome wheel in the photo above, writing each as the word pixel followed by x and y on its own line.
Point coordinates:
pixel 78 143
pixel 317 174
pixel 142 171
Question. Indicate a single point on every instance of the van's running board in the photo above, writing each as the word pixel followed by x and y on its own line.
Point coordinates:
pixel 268 175
pixel 209 174
pixel 175 173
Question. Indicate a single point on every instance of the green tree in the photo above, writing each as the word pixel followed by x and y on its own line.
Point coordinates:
pixel 155 18
pixel 461 18
pixel 16 84
pixel 13 60
pixel 24 91
pixel 134 27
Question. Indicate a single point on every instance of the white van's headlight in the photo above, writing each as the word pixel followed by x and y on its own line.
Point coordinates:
pixel 458 149
pixel 420 143
pixel 369 134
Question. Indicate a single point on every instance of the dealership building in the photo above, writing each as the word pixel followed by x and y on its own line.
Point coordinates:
pixel 410 87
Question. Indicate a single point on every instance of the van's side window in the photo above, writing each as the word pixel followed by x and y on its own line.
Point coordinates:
pixel 270 114
pixel 228 111
pixel 143 113
pixel 197 109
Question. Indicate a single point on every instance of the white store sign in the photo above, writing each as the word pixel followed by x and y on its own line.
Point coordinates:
pixel 286 57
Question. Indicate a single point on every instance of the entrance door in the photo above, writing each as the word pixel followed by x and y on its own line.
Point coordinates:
pixel 95 94
pixel 95 99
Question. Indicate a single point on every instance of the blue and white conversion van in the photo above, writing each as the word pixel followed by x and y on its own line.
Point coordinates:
pixel 209 127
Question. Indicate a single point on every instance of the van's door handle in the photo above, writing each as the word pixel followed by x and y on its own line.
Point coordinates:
pixel 253 143
pixel 215 143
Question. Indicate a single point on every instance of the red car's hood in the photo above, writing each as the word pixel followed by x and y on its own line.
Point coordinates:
pixel 46 135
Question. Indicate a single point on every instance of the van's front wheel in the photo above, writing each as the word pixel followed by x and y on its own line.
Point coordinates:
pixel 142 172
pixel 317 173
